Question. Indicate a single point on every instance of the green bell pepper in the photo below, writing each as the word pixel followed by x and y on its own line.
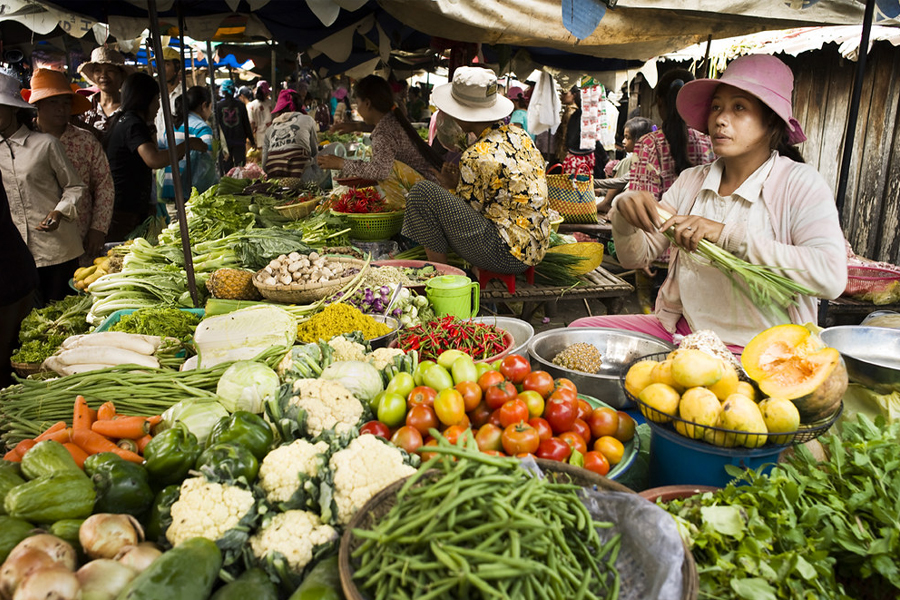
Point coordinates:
pixel 170 455
pixel 228 463
pixel 122 486
pixel 161 514
pixel 245 429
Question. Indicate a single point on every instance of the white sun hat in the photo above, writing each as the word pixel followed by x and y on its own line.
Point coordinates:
pixel 472 96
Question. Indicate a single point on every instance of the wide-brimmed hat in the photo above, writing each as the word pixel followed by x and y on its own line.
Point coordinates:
pixel 103 56
pixel 767 78
pixel 472 96
pixel 9 92
pixel 46 83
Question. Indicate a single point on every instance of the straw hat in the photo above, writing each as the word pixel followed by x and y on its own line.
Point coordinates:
pixel 46 83
pixel 9 92
pixel 472 96
pixel 103 56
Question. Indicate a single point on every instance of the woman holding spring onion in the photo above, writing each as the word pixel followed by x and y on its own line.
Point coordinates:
pixel 757 201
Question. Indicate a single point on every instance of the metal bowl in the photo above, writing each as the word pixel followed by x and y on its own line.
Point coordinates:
pixel 617 349
pixel 522 331
pixel 384 340
pixel 872 354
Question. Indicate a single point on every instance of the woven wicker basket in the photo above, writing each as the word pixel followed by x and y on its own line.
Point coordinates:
pixel 373 226
pixel 296 292
pixel 383 501
pixel 26 369
pixel 298 210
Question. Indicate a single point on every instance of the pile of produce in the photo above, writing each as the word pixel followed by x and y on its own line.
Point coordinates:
pixel 800 379
pixel 429 339
pixel 582 357
pixel 362 200
pixel 162 322
pixel 85 276
pixel 337 319
pixel 94 351
pixel 45 329
pixel 304 269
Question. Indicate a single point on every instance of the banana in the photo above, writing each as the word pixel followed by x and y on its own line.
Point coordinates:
pixel 99 260
pixel 85 273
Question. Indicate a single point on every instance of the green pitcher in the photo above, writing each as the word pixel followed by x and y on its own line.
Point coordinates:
pixel 453 295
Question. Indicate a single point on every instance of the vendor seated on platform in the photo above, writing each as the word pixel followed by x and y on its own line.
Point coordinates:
pixel 757 200
pixel 496 216
pixel 393 138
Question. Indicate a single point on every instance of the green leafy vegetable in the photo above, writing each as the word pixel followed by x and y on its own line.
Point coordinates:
pixel 44 329
pixel 247 385
pixel 164 322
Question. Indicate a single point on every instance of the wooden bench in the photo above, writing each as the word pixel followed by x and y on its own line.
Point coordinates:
pixel 848 311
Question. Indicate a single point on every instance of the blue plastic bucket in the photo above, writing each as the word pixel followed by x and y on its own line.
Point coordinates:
pixel 677 460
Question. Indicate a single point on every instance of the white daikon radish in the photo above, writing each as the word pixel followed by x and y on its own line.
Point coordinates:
pixel 105 355
pixel 118 339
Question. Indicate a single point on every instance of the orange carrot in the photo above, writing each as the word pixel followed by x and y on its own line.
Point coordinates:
pixel 106 411
pixel 126 444
pixel 63 436
pixel 142 442
pixel 123 427
pixel 12 456
pixel 77 453
pixel 154 420
pixel 58 426
pixel 81 416
pixel 92 413
pixel 23 447
pixel 94 443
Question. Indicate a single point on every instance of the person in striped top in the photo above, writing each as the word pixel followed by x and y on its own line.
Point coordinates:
pixel 191 114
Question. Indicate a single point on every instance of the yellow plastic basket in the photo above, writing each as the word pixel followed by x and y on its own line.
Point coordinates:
pixel 373 226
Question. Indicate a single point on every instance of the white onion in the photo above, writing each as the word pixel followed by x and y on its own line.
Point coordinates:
pixel 17 568
pixel 139 557
pixel 104 534
pixel 54 583
pixel 103 579
pixel 56 548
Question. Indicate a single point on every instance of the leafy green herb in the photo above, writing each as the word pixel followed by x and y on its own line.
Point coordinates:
pixel 164 322
pixel 44 329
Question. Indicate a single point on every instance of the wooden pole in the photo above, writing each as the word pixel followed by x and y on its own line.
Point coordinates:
pixel 211 71
pixel 184 88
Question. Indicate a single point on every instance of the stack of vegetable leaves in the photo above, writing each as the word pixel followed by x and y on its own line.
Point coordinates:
pixel 161 321
pixel 809 529
pixel 44 329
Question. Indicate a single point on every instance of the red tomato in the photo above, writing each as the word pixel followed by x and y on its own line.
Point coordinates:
pixel 584 409
pixel 480 415
pixel 453 433
pixel 566 384
pixel 422 418
pixel 596 462
pixel 554 449
pixel 611 448
pixel 497 395
pixel 376 428
pixel 525 455
pixel 533 401
pixel 407 438
pixel 489 379
pixel 626 427
pixel 428 455
pixel 582 429
pixel 488 438
pixel 565 393
pixel 542 426
pixel 540 382
pixel 421 395
pixel 515 367
pixel 471 394
pixel 561 413
pixel 519 438
pixel 603 421
pixel 449 407
pixel 494 419
pixel 513 412
pixel 494 452
pixel 574 440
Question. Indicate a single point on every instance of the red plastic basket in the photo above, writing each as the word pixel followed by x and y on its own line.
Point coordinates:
pixel 864 280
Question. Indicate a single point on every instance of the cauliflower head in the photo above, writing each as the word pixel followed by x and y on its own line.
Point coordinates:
pixel 327 404
pixel 382 357
pixel 288 541
pixel 288 473
pixel 361 470
pixel 216 511
pixel 344 349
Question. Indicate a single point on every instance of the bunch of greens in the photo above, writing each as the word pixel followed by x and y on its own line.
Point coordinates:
pixel 161 321
pixel 322 228
pixel 211 216
pixel 809 529
pixel 44 329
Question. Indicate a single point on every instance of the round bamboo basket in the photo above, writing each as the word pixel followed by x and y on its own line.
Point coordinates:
pixel 310 292
pixel 26 369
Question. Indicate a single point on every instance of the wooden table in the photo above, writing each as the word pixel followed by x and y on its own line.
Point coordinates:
pixel 599 283
pixel 848 311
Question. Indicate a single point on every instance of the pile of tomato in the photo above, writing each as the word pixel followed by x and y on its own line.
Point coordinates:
pixel 508 408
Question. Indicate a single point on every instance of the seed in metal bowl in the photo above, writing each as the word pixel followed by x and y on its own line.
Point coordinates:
pixel 581 357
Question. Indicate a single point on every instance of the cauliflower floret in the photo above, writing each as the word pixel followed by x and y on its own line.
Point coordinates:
pixel 361 470
pixel 286 468
pixel 344 349
pixel 383 357
pixel 328 405
pixel 295 534
pixel 208 510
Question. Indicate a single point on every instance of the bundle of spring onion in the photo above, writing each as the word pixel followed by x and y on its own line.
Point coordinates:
pixel 763 286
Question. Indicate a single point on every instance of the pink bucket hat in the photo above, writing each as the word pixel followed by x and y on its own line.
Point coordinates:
pixel 285 101
pixel 762 75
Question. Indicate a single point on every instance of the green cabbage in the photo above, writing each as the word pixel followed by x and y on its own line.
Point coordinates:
pixel 199 416
pixel 360 378
pixel 247 385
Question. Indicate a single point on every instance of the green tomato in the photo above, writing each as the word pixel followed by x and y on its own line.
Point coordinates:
pixel 392 409
pixel 464 369
pixel 438 378
pixel 402 383
pixel 482 368
pixel 448 357
pixel 373 403
pixel 419 373
pixel 496 364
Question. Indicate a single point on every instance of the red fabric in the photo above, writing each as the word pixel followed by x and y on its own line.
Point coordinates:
pixel 653 168
pixel 648 324
pixel 576 164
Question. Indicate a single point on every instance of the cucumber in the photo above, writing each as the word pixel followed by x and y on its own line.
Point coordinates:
pixel 254 584
pixel 67 529
pixel 186 572
pixel 9 478
pixel 46 458
pixel 323 582
pixel 12 531
pixel 50 498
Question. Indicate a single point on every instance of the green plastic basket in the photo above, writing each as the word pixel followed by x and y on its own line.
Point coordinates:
pixel 373 226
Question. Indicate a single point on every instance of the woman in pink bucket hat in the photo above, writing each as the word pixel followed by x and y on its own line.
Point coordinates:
pixel 757 200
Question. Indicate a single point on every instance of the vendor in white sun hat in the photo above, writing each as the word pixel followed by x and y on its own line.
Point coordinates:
pixel 106 71
pixel 492 208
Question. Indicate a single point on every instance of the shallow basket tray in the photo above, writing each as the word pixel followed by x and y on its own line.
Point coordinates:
pixel 382 502
pixel 805 433
pixel 310 292
pixel 373 226
pixel 25 369
pixel 298 210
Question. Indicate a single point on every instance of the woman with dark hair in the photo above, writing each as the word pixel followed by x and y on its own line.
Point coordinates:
pixel 133 153
pixel 393 138
pixel 191 114
pixel 291 140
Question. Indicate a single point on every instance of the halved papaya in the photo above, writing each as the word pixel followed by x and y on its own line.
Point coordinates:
pixel 791 361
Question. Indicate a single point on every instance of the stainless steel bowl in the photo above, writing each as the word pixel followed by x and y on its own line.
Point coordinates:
pixel 384 340
pixel 872 354
pixel 617 349
pixel 522 331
